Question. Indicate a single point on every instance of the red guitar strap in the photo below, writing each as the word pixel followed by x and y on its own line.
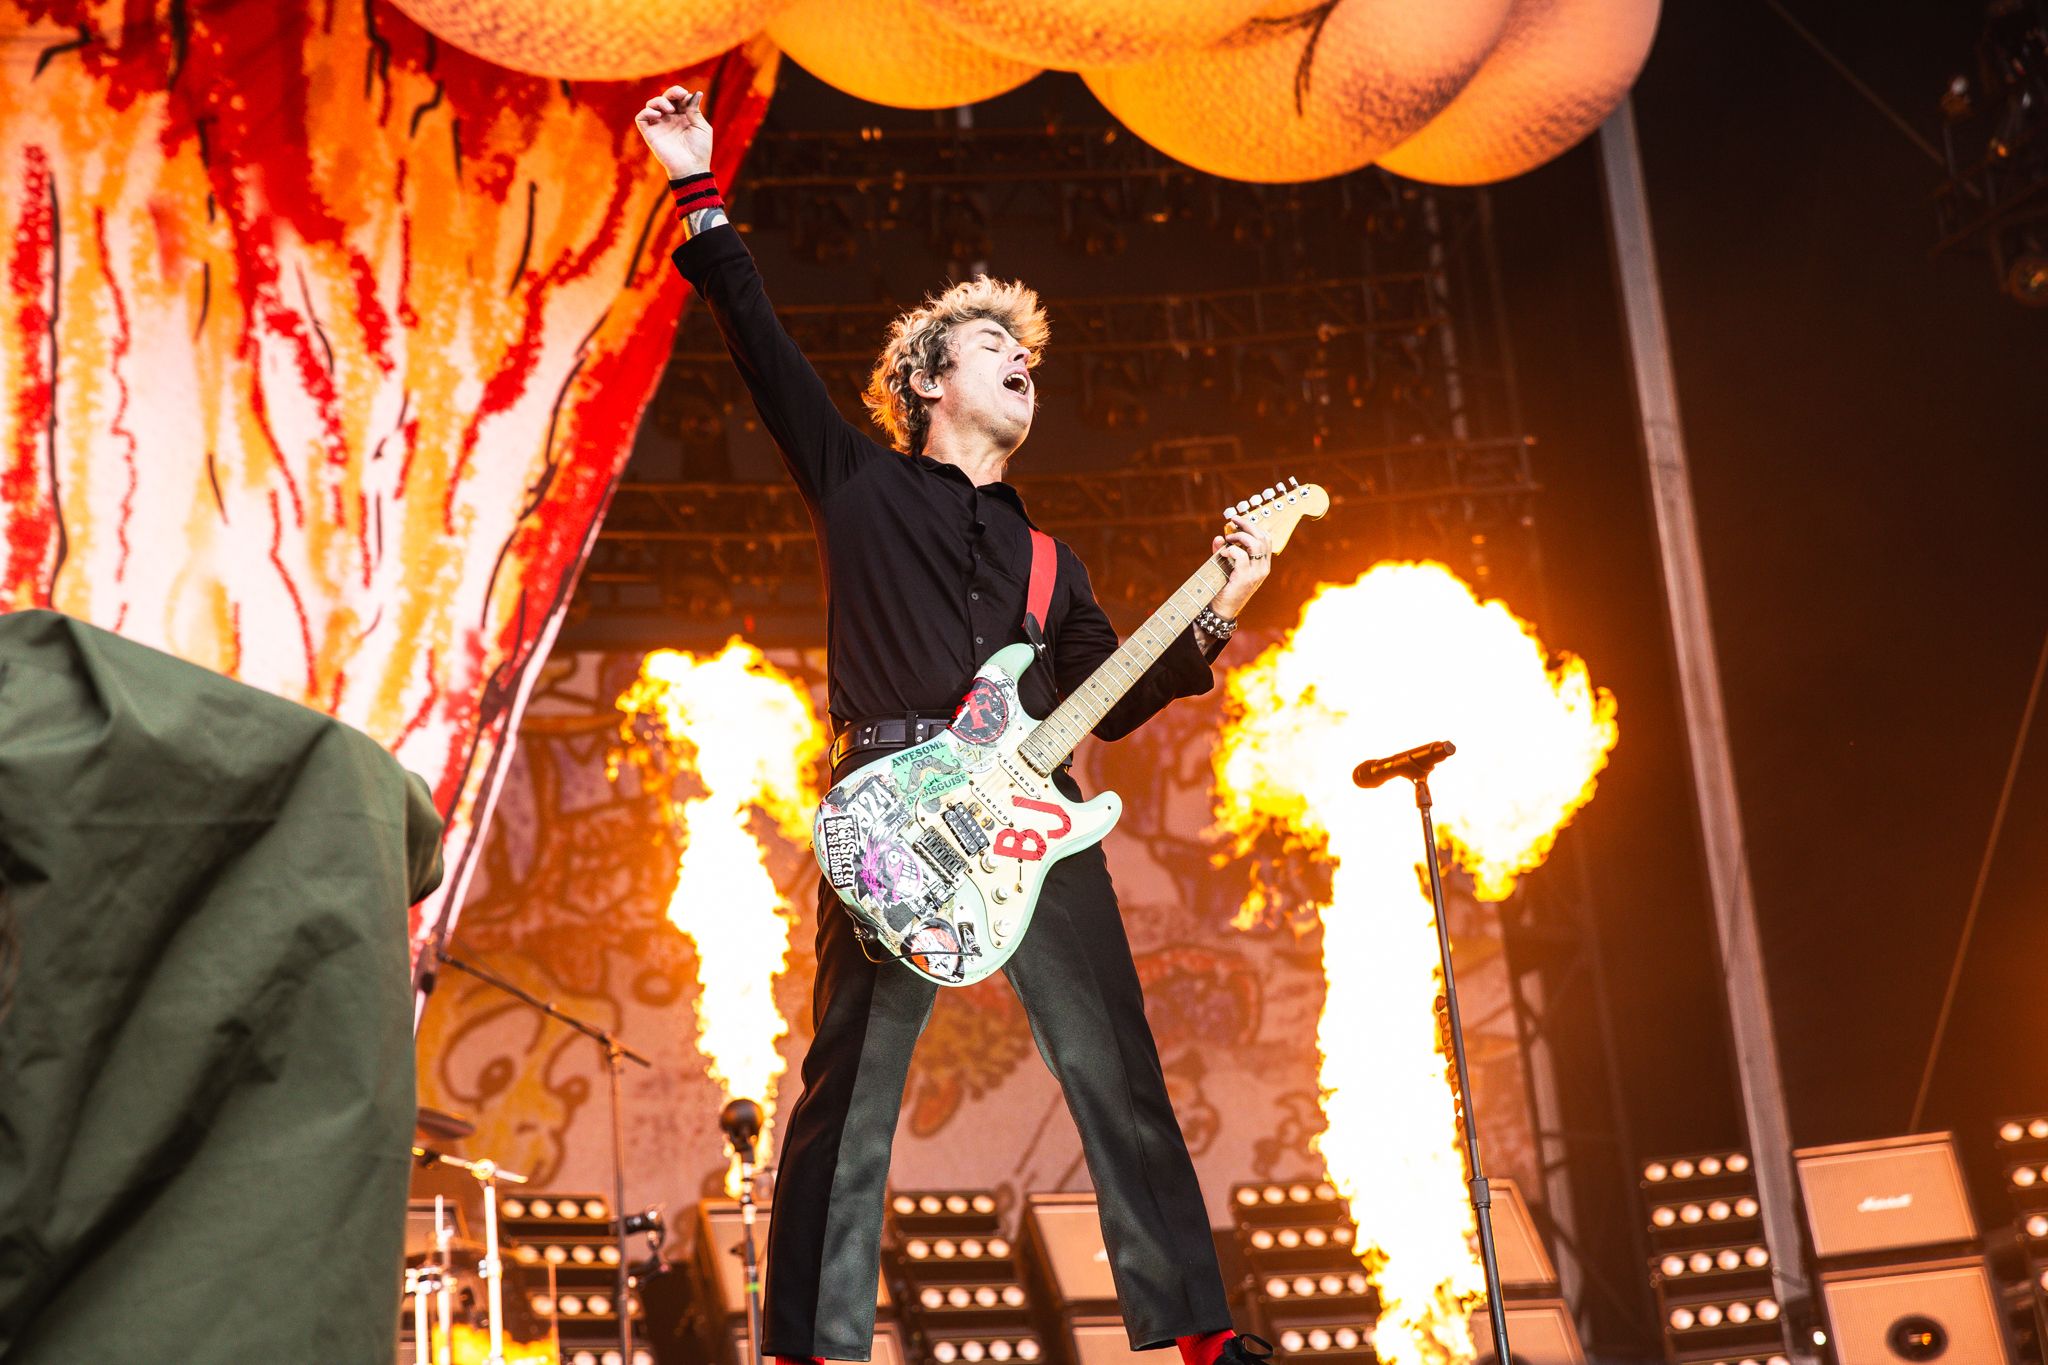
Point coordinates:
pixel 1038 596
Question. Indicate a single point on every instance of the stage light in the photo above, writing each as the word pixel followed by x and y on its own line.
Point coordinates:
pixel 1746 1207
pixel 582 1254
pixel 1331 1284
pixel 526 1255
pixel 931 1203
pixel 1290 1238
pixel 945 1249
pixel 1710 1165
pixel 932 1298
pixel 956 1203
pixel 983 1203
pixel 1738 1162
pixel 1673 1265
pixel 1701 1263
pixel 2037 1225
pixel 998 1248
pixel 2025 1176
pixel 1277 1288
pixel 1738 1313
pixel 514 1208
pixel 1292 1340
pixel 1262 1239
pixel 1663 1216
pixel 917 1249
pixel 1719 1210
pixel 1027 1349
pixel 985 1296
pixel 1013 1296
pixel 608 1253
pixel 1710 1315
pixel 1682 1169
pixel 972 1351
pixel 1304 1286
pixel 1767 1309
pixel 904 1204
pixel 555 1255
pixel 1347 1338
pixel 1247 1196
pixel 543 1305
pixel 1691 1213
pixel 1319 1340
pixel 570 1304
pixel 1273 1194
pixel 1358 1283
pixel 1316 1237
pixel 598 1303
pixel 999 1350
pixel 1682 1319
pixel 971 1247
pixel 945 1352
pixel 2009 1131
pixel 1757 1257
pixel 542 1208
pixel 1656 1171
pixel 958 1296
pixel 594 1208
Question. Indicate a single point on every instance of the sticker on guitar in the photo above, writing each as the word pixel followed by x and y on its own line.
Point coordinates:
pixel 1029 845
pixel 984 713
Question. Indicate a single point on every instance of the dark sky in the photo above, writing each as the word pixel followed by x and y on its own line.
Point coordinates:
pixel 1866 429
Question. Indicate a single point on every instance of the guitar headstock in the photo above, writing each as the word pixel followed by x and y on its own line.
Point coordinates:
pixel 1275 512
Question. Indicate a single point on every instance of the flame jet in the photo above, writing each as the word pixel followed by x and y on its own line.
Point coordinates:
pixel 1405 655
pixel 748 735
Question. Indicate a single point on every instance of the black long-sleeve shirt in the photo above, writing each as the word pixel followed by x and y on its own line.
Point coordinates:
pixel 925 574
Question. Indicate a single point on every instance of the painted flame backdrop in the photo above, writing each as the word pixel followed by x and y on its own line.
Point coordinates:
pixel 321 346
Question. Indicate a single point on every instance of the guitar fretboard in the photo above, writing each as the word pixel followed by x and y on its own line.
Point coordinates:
pixel 1073 719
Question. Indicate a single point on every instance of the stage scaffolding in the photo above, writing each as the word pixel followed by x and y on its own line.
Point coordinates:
pixel 1214 338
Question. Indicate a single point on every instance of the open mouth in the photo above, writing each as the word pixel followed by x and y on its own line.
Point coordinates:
pixel 1017 382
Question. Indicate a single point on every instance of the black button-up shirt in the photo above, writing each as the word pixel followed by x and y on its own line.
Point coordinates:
pixel 925 574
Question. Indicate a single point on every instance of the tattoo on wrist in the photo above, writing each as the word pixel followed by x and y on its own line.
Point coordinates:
pixel 702 220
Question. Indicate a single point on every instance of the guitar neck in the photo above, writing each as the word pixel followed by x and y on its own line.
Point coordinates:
pixel 1075 718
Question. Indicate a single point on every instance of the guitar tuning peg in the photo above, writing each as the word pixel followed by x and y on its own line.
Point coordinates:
pixel 1272 493
pixel 1294 483
pixel 1244 506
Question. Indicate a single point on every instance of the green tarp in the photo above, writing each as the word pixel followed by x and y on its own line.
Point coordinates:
pixel 206 1064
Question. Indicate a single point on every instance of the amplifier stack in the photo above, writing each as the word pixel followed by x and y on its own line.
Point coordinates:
pixel 716 1326
pixel 1903 1278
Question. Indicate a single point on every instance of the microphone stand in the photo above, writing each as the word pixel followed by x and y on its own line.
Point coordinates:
pixel 741 1120
pixel 1416 767
pixel 616 1055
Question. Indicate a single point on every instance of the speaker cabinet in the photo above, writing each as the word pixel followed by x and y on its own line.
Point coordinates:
pixel 721 1269
pixel 1945 1310
pixel 1064 1254
pixel 1103 1341
pixel 1895 1194
pixel 888 1347
pixel 1540 1332
pixel 1524 1263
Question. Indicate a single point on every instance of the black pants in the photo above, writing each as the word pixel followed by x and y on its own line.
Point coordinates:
pixel 1074 976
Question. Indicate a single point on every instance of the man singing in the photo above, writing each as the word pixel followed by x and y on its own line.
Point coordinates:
pixel 926 553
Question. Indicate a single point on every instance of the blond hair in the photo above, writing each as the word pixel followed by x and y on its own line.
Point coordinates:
pixel 922 340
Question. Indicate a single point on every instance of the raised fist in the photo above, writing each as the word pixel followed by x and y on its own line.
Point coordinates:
pixel 677 132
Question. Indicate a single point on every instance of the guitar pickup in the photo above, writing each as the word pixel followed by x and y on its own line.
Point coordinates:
pixel 950 866
pixel 965 830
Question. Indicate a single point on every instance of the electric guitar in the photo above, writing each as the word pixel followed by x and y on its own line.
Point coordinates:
pixel 939 850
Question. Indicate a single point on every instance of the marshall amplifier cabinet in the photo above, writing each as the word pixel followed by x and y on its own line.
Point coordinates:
pixel 1524 1263
pixel 721 1287
pixel 1936 1310
pixel 1065 1256
pixel 1540 1331
pixel 1895 1194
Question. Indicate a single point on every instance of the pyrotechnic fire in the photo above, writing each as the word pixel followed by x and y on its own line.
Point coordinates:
pixel 1403 656
pixel 747 733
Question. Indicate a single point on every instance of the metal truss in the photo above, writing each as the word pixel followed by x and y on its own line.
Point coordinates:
pixel 685 564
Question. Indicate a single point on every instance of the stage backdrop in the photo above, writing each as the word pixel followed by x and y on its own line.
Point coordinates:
pixel 569 901
pixel 322 343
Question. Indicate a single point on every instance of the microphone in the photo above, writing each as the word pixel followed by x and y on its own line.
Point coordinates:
pixel 741 1120
pixel 1414 762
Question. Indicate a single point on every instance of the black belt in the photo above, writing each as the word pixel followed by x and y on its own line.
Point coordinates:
pixel 879 733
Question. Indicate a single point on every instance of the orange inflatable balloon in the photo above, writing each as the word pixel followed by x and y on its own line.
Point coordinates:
pixel 593 40
pixel 892 52
pixel 1560 69
pixel 1078 34
pixel 1300 93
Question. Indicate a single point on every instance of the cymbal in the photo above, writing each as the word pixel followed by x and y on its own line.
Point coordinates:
pixel 441 1124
